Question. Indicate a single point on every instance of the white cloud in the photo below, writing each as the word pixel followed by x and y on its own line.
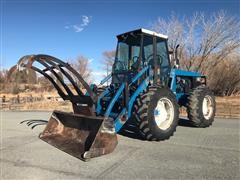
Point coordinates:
pixel 77 28
pixel 85 20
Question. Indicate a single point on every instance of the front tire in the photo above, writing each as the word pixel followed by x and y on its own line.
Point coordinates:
pixel 201 107
pixel 156 113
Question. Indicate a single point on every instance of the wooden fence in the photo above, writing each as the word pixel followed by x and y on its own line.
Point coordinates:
pixel 17 102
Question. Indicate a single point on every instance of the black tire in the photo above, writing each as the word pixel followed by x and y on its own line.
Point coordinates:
pixel 195 106
pixel 144 114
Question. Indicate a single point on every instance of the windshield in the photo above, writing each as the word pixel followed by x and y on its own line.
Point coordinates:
pixel 128 50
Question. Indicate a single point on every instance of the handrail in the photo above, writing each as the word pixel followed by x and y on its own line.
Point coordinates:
pixel 140 89
pixel 127 112
pixel 105 79
pixel 120 90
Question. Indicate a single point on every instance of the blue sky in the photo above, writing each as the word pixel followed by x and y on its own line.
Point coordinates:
pixel 70 28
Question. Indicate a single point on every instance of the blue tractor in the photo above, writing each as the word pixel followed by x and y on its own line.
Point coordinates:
pixel 145 88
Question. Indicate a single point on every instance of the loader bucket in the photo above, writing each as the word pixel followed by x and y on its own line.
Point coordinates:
pixel 81 136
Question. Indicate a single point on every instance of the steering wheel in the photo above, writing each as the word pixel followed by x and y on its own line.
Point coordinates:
pixel 159 58
pixel 135 57
pixel 119 64
pixel 150 57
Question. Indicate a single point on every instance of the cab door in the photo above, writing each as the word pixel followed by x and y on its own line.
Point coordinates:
pixel 163 60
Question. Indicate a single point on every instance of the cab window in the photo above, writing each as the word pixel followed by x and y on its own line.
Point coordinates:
pixel 162 53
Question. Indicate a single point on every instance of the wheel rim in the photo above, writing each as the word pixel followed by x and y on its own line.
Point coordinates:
pixel 207 107
pixel 164 113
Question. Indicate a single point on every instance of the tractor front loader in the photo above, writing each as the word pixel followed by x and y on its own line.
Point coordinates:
pixel 144 88
pixel 81 133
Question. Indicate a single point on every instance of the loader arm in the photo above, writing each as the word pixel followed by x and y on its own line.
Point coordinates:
pixel 125 113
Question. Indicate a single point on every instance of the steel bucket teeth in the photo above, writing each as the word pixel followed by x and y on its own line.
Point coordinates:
pixel 81 136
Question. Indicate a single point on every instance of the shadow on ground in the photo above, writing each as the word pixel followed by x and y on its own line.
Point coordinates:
pixel 130 129
pixel 185 123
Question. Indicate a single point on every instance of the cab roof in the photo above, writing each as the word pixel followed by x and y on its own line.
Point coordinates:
pixel 145 31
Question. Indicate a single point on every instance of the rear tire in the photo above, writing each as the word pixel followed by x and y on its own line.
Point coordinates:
pixel 201 107
pixel 156 113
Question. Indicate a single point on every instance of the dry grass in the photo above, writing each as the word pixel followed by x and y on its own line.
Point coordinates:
pixel 226 106
pixel 48 106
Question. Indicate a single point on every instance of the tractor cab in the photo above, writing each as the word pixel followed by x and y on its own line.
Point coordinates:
pixel 138 49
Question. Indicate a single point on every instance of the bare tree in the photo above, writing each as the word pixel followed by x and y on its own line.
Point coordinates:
pixel 81 64
pixel 11 80
pixel 3 79
pixel 26 76
pixel 3 75
pixel 200 37
pixel 224 79
pixel 173 27
pixel 45 84
pixel 207 45
pixel 108 60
